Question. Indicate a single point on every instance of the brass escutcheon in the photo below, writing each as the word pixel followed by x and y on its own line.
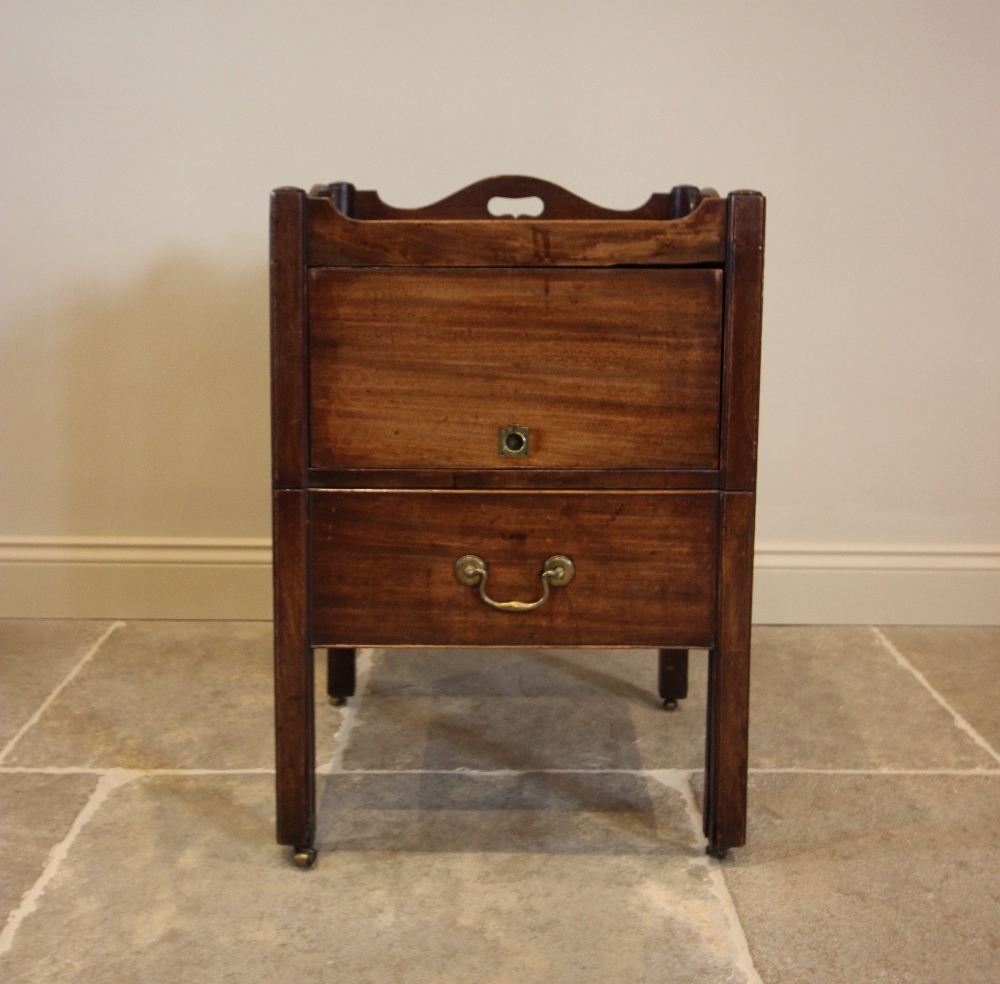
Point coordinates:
pixel 557 571
pixel 514 441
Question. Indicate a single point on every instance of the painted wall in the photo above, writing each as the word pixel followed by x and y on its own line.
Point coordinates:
pixel 140 142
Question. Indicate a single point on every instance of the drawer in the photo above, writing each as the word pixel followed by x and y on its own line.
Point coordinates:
pixel 383 568
pixel 608 369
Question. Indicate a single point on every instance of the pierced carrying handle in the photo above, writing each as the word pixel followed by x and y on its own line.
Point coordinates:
pixel 557 571
pixel 512 188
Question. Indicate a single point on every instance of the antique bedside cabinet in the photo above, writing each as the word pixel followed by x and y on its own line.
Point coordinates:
pixel 514 431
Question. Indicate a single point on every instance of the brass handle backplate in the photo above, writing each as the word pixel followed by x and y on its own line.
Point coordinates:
pixel 557 571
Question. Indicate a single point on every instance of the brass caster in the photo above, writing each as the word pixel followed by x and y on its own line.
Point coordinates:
pixel 304 857
pixel 718 853
pixel 338 701
pixel 670 704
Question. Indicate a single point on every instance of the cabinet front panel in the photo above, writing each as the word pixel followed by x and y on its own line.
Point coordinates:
pixel 383 568
pixel 616 368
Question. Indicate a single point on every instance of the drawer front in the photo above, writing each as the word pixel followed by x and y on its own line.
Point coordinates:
pixel 606 368
pixel 383 568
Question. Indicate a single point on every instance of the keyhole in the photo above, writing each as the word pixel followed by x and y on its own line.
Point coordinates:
pixel 514 208
pixel 514 441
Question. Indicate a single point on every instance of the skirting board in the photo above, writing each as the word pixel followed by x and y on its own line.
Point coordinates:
pixel 135 577
pixel 144 577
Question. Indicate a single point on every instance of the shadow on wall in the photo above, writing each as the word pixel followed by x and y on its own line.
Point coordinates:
pixel 142 412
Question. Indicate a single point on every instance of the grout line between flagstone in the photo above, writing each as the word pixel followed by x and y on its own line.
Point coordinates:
pixel 976 770
pixel 89 770
pixel 680 781
pixel 33 720
pixel 96 770
pixel 108 782
pixel 960 722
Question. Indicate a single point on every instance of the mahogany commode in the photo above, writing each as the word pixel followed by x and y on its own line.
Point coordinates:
pixel 499 431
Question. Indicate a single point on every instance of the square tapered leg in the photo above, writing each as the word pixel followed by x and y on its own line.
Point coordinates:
pixel 341 675
pixel 672 677
pixel 725 808
pixel 295 744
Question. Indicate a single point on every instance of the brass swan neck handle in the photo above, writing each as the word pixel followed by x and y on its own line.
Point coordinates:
pixel 557 571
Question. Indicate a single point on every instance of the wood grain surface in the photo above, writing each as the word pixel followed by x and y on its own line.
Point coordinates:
pixel 608 368
pixel 382 568
pixel 294 716
pixel 334 239
pixel 289 414
pixel 512 478
pixel 742 326
pixel 727 730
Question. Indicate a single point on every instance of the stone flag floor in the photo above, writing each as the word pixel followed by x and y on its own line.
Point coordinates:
pixel 496 816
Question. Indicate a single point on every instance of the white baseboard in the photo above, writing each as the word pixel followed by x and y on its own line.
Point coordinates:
pixel 156 577
pixel 875 584
pixel 135 577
